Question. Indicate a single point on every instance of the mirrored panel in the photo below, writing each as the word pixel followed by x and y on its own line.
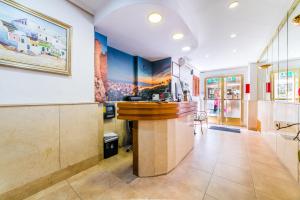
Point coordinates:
pixel 293 56
pixel 282 83
pixel 261 77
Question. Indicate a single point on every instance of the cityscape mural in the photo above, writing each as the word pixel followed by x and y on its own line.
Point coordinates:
pixel 118 74
pixel 121 75
pixel 154 77
pixel 100 79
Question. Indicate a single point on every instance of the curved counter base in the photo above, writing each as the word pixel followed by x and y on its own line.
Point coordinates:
pixel 159 145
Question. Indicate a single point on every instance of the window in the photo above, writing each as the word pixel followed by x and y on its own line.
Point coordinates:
pixel 286 85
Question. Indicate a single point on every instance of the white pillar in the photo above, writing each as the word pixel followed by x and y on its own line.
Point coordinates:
pixel 251 98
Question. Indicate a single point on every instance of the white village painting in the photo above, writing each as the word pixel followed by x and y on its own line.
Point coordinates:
pixel 29 41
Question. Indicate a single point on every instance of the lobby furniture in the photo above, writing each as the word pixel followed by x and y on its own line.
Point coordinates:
pixel 200 117
pixel 162 134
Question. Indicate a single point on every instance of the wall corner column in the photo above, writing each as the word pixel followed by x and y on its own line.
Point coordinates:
pixel 251 98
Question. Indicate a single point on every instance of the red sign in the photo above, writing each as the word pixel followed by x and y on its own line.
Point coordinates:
pixel 268 87
pixel 247 88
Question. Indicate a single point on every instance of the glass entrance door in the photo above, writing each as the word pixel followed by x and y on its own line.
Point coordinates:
pixel 232 100
pixel 224 99
pixel 213 99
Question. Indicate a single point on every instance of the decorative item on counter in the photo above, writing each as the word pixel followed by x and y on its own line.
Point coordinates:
pixel 179 99
pixel 167 96
pixel 185 95
pixel 155 97
pixel 268 87
pixel 247 91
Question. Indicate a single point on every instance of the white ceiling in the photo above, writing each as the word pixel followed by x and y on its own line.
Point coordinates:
pixel 207 25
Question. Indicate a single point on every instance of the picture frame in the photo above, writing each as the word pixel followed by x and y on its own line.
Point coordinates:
pixel 34 41
pixel 175 70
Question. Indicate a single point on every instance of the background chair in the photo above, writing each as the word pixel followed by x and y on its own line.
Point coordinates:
pixel 200 116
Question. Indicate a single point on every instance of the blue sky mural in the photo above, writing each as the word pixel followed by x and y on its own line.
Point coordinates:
pixel 120 66
pixel 103 41
pixel 129 75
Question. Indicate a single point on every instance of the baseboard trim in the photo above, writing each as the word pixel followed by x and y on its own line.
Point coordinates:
pixel 37 185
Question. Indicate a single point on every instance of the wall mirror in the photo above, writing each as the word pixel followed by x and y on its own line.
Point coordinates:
pixel 279 64
pixel 293 56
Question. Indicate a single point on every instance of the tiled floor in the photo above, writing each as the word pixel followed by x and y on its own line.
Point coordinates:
pixel 222 166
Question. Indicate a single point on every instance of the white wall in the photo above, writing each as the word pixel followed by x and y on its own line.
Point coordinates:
pixel 19 86
pixel 187 77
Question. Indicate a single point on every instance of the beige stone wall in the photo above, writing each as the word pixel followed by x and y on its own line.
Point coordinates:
pixel 117 126
pixel 39 140
pixel 281 141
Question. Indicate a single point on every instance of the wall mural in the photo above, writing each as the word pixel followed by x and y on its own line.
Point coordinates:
pixel 31 40
pixel 100 79
pixel 118 74
pixel 121 75
pixel 154 77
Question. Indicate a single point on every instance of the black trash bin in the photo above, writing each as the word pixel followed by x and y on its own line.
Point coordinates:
pixel 110 144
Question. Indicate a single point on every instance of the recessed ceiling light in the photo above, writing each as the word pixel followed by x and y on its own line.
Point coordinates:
pixel 233 35
pixel 187 48
pixel 178 36
pixel 206 55
pixel 155 18
pixel 233 4
pixel 234 50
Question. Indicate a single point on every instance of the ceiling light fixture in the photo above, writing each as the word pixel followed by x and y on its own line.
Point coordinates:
pixel 296 20
pixel 234 50
pixel 265 66
pixel 206 56
pixel 233 4
pixel 185 49
pixel 154 18
pixel 178 36
pixel 233 35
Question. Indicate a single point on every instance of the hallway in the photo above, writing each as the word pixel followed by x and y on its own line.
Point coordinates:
pixel 222 166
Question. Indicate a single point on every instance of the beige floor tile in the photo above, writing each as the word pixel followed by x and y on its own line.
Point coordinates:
pixel 119 191
pixel 196 179
pixel 272 162
pixel 206 164
pixel 276 188
pixel 59 191
pixel 152 187
pixel 93 184
pixel 234 174
pixel 223 189
pixel 262 196
pixel 180 191
pixel 222 166
pixel 261 169
pixel 235 161
pixel 208 197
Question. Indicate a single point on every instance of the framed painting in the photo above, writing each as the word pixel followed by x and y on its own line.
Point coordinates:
pixel 31 40
pixel 175 70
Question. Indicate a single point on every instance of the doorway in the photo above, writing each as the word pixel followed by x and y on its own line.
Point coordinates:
pixel 224 99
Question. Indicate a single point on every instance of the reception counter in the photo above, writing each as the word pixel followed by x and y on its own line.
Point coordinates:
pixel 163 134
